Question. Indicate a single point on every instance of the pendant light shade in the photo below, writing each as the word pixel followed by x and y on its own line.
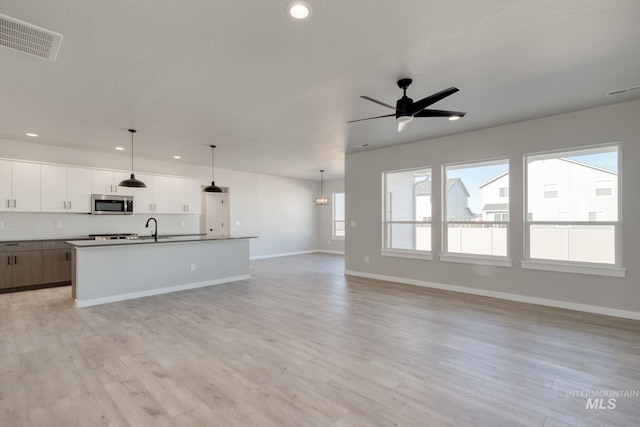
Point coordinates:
pixel 321 200
pixel 213 188
pixel 132 182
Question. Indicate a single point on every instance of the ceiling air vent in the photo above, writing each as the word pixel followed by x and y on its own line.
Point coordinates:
pixel 619 91
pixel 30 39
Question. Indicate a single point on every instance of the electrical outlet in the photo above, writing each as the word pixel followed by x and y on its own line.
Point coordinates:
pixel 237 222
pixel 181 223
pixel 193 267
pixel 353 223
pixel 366 259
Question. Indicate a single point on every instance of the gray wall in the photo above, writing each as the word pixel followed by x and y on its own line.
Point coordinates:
pixel 618 122
pixel 325 240
pixel 278 210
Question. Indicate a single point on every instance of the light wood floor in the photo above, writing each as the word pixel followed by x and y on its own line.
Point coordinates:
pixel 300 344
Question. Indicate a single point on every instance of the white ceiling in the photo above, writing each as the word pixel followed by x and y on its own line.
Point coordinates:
pixel 274 95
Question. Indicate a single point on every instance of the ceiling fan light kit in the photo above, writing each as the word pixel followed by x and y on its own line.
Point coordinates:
pixel 406 109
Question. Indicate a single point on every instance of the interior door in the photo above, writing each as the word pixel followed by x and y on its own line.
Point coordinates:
pixel 217 212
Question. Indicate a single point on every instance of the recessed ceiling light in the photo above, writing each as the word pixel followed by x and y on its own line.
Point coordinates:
pixel 31 134
pixel 120 148
pixel 299 10
pixel 454 117
pixel 177 157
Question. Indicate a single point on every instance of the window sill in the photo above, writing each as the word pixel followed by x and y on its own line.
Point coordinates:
pixel 476 259
pixel 399 253
pixel 337 238
pixel 579 268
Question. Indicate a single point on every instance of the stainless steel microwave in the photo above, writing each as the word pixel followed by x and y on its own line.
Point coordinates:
pixel 109 204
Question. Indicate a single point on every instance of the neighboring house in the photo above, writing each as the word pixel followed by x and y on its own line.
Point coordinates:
pixel 495 197
pixel 457 201
pixel 558 190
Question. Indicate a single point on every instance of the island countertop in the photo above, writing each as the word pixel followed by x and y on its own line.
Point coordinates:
pixel 150 240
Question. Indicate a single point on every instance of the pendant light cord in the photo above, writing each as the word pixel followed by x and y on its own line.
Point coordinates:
pixel 132 132
pixel 213 177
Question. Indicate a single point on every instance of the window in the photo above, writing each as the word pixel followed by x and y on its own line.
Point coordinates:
pixel 576 225
pixel 338 216
pixel 407 210
pixel 604 188
pixel 551 191
pixel 476 208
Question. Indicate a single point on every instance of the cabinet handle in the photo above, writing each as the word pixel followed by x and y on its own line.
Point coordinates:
pixel 15 259
pixel 187 208
pixel 67 256
pixel 15 204
pixel 69 204
pixel 154 207
pixel 8 260
pixel 64 205
pixel 8 203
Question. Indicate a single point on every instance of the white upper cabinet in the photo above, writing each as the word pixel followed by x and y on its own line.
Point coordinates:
pixel 20 188
pixel 65 189
pixel 106 182
pixel 156 198
pixel 185 196
pixel 79 190
pixel 193 196
pixel 53 196
pixel 5 185
pixel 161 194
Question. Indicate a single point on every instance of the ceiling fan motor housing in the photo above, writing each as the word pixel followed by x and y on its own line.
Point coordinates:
pixel 403 106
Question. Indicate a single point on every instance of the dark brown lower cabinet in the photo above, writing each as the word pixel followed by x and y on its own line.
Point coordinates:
pixel 34 263
pixel 56 266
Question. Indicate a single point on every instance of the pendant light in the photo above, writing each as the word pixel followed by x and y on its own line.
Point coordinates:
pixel 213 188
pixel 132 182
pixel 321 200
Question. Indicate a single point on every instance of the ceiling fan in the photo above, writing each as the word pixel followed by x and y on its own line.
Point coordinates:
pixel 406 109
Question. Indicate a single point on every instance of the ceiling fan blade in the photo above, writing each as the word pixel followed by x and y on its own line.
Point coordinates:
pixel 432 99
pixel 369 118
pixel 438 113
pixel 377 102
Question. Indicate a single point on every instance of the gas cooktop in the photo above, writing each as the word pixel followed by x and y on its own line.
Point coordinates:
pixel 120 236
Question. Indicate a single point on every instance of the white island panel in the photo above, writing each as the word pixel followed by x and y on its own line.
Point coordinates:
pixel 116 272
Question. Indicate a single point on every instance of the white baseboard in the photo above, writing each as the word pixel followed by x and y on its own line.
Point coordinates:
pixel 141 294
pixel 281 254
pixel 614 312
pixel 330 252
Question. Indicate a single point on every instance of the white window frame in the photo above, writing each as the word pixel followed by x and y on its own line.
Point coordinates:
pixel 470 258
pixel 602 269
pixel 333 217
pixel 387 224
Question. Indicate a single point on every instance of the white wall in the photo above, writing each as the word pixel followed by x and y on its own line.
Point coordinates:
pixel 279 211
pixel 325 227
pixel 618 122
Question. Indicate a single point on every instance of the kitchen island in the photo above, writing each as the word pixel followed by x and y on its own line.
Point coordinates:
pixel 116 270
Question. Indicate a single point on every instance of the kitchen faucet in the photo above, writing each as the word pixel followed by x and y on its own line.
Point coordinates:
pixel 155 234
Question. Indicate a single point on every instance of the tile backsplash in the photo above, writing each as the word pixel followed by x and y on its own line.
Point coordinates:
pixel 40 225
